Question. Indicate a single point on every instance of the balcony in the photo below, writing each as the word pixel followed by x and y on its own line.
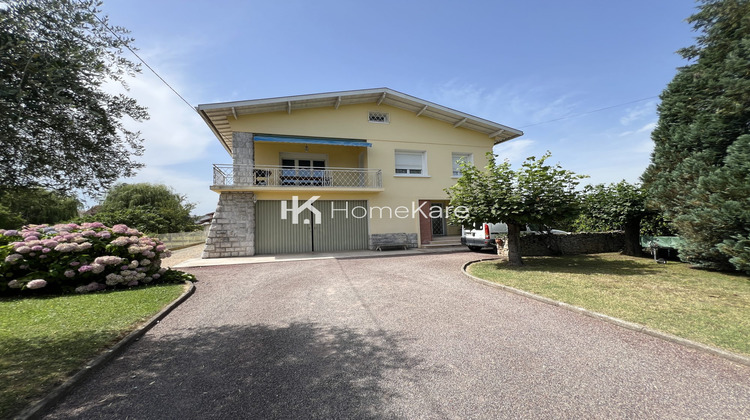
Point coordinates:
pixel 266 177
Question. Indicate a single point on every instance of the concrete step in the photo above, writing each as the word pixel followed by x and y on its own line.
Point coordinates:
pixel 446 239
pixel 444 242
pixel 441 245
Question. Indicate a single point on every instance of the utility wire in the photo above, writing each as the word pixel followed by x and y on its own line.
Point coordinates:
pixel 141 59
pixel 589 112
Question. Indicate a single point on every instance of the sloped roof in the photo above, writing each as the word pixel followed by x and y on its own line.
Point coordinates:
pixel 216 114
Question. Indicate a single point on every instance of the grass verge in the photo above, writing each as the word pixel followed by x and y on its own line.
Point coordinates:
pixel 708 307
pixel 46 339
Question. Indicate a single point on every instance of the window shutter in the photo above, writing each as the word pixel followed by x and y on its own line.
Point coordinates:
pixel 408 160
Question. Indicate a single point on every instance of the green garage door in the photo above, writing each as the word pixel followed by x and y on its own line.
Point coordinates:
pixel 342 232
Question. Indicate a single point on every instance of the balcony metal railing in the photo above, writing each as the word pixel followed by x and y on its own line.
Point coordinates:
pixel 277 176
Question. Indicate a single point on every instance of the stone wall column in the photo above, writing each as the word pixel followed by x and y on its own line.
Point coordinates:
pixel 243 157
pixel 232 230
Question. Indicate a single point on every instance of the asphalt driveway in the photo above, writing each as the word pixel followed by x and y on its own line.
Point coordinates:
pixel 396 337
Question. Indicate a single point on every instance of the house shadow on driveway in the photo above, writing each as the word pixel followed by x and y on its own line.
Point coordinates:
pixel 303 370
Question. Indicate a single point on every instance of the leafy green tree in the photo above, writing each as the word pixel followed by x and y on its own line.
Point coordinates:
pixel 620 206
pixel 9 219
pixel 60 129
pixel 536 194
pixel 704 120
pixel 37 206
pixel 152 208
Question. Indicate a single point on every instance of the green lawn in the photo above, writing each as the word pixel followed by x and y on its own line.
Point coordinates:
pixel 44 340
pixel 708 307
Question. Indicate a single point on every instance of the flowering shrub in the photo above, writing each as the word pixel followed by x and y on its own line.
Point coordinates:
pixel 81 258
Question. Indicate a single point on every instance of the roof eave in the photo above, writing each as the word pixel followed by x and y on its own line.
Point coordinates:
pixel 498 132
pixel 214 129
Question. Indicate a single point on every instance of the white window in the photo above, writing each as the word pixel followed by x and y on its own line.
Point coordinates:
pixel 379 117
pixel 303 160
pixel 299 169
pixel 458 158
pixel 411 163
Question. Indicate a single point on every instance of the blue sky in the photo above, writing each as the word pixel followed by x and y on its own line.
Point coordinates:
pixel 519 63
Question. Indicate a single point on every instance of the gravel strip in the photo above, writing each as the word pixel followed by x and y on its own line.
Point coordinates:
pixel 183 254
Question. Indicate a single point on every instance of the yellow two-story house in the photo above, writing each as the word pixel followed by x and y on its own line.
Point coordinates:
pixel 339 171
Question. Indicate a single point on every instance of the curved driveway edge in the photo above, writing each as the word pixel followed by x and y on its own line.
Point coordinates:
pixel 734 357
pixel 384 338
pixel 37 410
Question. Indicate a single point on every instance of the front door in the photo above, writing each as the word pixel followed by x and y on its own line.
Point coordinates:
pixel 437 216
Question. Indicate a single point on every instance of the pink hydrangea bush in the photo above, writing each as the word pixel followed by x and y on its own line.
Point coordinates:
pixel 81 258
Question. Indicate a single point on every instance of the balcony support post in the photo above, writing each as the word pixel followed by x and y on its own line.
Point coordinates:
pixel 232 230
pixel 243 157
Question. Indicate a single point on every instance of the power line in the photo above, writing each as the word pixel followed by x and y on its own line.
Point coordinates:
pixel 141 59
pixel 589 112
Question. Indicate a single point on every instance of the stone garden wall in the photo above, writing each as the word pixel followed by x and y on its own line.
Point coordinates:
pixel 571 244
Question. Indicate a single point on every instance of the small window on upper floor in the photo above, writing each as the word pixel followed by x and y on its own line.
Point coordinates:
pixel 459 158
pixel 411 163
pixel 379 117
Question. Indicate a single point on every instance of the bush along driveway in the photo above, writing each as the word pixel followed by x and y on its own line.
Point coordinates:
pixel 396 337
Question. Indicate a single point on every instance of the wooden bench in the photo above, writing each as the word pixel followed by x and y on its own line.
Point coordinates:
pixel 400 241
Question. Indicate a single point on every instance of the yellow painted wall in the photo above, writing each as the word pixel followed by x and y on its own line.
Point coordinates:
pixel 267 153
pixel 405 131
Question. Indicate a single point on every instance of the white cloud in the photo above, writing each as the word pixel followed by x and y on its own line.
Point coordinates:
pixel 515 105
pixel 194 186
pixel 645 146
pixel 648 128
pixel 617 156
pixel 637 113
pixel 637 141
pixel 467 98
pixel 174 133
pixel 178 144
pixel 515 150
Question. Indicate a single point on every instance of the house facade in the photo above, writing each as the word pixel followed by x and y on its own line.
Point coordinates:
pixel 339 171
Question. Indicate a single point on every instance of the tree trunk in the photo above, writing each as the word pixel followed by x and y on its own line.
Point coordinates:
pixel 514 245
pixel 632 238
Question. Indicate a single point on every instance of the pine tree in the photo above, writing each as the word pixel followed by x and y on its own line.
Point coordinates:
pixel 703 117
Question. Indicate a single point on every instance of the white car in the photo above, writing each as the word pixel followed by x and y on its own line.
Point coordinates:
pixel 484 237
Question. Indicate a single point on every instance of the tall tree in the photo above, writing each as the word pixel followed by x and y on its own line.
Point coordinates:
pixel 537 193
pixel 37 206
pixel 152 208
pixel 619 206
pixel 59 128
pixel 704 112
